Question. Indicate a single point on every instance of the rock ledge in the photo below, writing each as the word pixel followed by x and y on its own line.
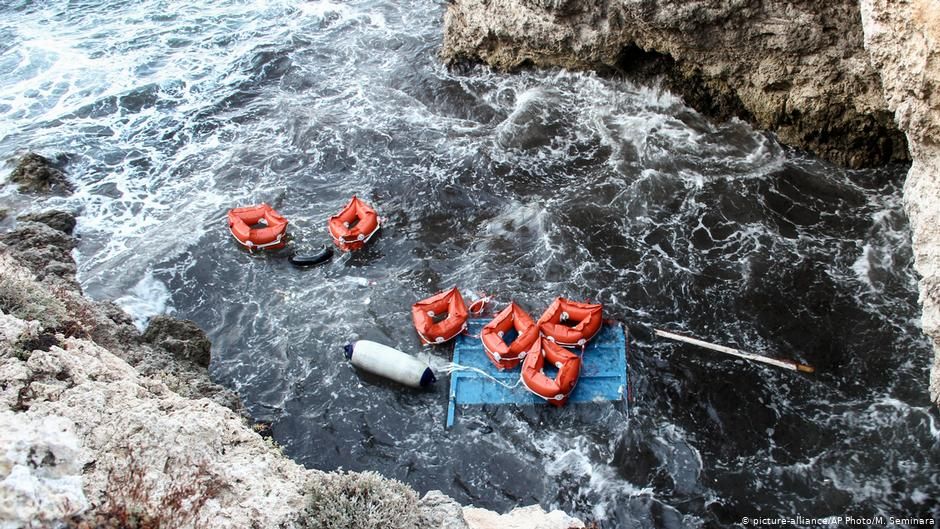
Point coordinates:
pixel 797 68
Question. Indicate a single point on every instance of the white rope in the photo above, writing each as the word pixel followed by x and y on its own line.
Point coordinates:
pixel 483 301
pixel 452 367
pixel 500 358
pixel 582 342
pixel 272 243
pixel 248 244
pixel 378 224
pixel 438 340
pixel 345 239
pixel 329 228
pixel 560 396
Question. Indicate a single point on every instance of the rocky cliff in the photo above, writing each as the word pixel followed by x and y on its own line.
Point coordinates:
pixel 903 38
pixel 797 68
pixel 825 75
pixel 101 426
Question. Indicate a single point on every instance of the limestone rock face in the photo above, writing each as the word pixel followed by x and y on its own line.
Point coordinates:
pixel 102 410
pixel 177 352
pixel 532 517
pixel 40 469
pixel 798 68
pixel 903 38
pixel 116 411
pixel 441 512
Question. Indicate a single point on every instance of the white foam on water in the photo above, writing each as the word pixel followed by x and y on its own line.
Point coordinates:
pixel 149 297
pixel 862 266
pixel 569 459
pixel 920 497
pixel 323 10
pixel 514 217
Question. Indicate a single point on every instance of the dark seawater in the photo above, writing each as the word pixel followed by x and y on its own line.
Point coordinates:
pixel 526 186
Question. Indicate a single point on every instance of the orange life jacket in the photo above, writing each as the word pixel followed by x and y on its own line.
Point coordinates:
pixel 440 317
pixel 571 323
pixel 556 391
pixel 352 227
pixel 270 237
pixel 503 355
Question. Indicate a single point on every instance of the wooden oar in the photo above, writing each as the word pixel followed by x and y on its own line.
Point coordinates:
pixel 786 364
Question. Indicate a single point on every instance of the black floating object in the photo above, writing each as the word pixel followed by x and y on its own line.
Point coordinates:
pixel 316 257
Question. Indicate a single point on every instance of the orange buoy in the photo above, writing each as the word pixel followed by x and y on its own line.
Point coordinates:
pixel 503 355
pixel 556 390
pixel 571 323
pixel 440 317
pixel 352 227
pixel 242 223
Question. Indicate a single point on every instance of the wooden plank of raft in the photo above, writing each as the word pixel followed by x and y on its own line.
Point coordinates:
pixel 786 364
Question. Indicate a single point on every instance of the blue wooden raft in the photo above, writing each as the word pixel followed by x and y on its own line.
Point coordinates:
pixel 603 373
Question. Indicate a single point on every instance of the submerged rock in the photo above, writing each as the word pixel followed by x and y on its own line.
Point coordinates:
pixel 36 173
pixel 795 67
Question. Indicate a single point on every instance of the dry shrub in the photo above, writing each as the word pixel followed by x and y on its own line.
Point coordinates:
pixel 81 320
pixel 364 500
pixel 132 500
pixel 57 307
pixel 23 297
